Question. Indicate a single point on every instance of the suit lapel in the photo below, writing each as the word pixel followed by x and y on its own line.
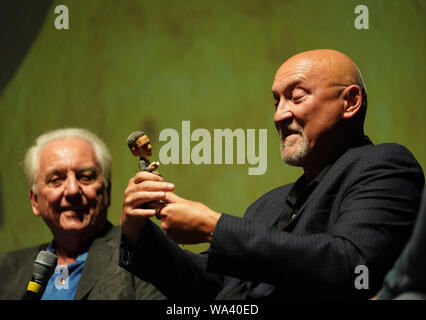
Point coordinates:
pixel 322 189
pixel 98 258
pixel 272 214
pixel 299 213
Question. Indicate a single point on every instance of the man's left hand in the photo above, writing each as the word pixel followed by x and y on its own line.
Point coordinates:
pixel 187 222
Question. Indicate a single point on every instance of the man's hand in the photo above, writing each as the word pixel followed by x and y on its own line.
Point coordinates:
pixel 186 221
pixel 142 188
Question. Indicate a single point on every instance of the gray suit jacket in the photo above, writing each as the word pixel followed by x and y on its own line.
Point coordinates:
pixel 102 277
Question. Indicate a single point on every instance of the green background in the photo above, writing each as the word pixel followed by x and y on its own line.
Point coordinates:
pixel 129 65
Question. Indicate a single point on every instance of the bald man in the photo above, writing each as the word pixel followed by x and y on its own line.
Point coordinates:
pixel 331 234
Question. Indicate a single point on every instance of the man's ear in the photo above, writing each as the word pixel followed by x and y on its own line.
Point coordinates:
pixel 353 101
pixel 34 203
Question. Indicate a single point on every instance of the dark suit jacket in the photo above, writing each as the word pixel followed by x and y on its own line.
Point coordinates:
pixel 102 278
pixel 361 213
pixel 408 275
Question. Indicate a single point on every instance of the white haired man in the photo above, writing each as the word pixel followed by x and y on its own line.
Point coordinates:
pixel 69 174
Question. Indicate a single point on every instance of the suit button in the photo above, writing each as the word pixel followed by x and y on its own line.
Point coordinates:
pixel 293 216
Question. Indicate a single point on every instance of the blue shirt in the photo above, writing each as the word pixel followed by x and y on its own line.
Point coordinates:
pixel 63 283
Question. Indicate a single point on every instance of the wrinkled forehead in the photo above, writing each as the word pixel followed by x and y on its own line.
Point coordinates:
pixel 320 71
pixel 295 71
pixel 321 65
pixel 67 151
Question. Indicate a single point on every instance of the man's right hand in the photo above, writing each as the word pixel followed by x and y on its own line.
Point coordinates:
pixel 142 188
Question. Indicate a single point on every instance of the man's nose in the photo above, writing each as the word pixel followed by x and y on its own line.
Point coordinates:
pixel 72 187
pixel 282 112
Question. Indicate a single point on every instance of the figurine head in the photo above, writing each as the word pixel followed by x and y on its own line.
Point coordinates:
pixel 139 144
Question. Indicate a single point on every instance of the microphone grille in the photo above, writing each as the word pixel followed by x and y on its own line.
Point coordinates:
pixel 131 139
pixel 44 265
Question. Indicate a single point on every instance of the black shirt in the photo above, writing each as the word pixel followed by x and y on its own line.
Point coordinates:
pixel 296 197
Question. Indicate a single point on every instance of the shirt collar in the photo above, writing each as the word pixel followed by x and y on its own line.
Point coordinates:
pixel 53 246
pixel 301 190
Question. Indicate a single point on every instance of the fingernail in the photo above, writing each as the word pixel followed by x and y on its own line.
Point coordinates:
pixel 170 185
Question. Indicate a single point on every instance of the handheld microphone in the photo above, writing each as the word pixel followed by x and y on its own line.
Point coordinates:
pixel 43 268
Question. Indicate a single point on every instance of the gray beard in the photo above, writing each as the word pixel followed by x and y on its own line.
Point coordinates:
pixel 298 155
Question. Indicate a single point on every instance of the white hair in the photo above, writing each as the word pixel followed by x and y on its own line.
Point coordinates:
pixel 32 157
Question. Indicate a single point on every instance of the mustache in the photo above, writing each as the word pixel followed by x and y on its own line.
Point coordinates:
pixel 286 130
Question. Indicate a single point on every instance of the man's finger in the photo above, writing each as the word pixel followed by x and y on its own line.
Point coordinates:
pixel 138 198
pixel 158 214
pixel 147 213
pixel 149 186
pixel 155 186
pixel 145 175
pixel 171 197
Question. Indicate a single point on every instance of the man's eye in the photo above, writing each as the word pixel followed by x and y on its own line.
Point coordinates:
pixel 297 94
pixel 55 181
pixel 87 177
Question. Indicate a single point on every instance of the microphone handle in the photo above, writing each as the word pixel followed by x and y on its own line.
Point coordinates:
pixel 29 295
pixel 34 291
